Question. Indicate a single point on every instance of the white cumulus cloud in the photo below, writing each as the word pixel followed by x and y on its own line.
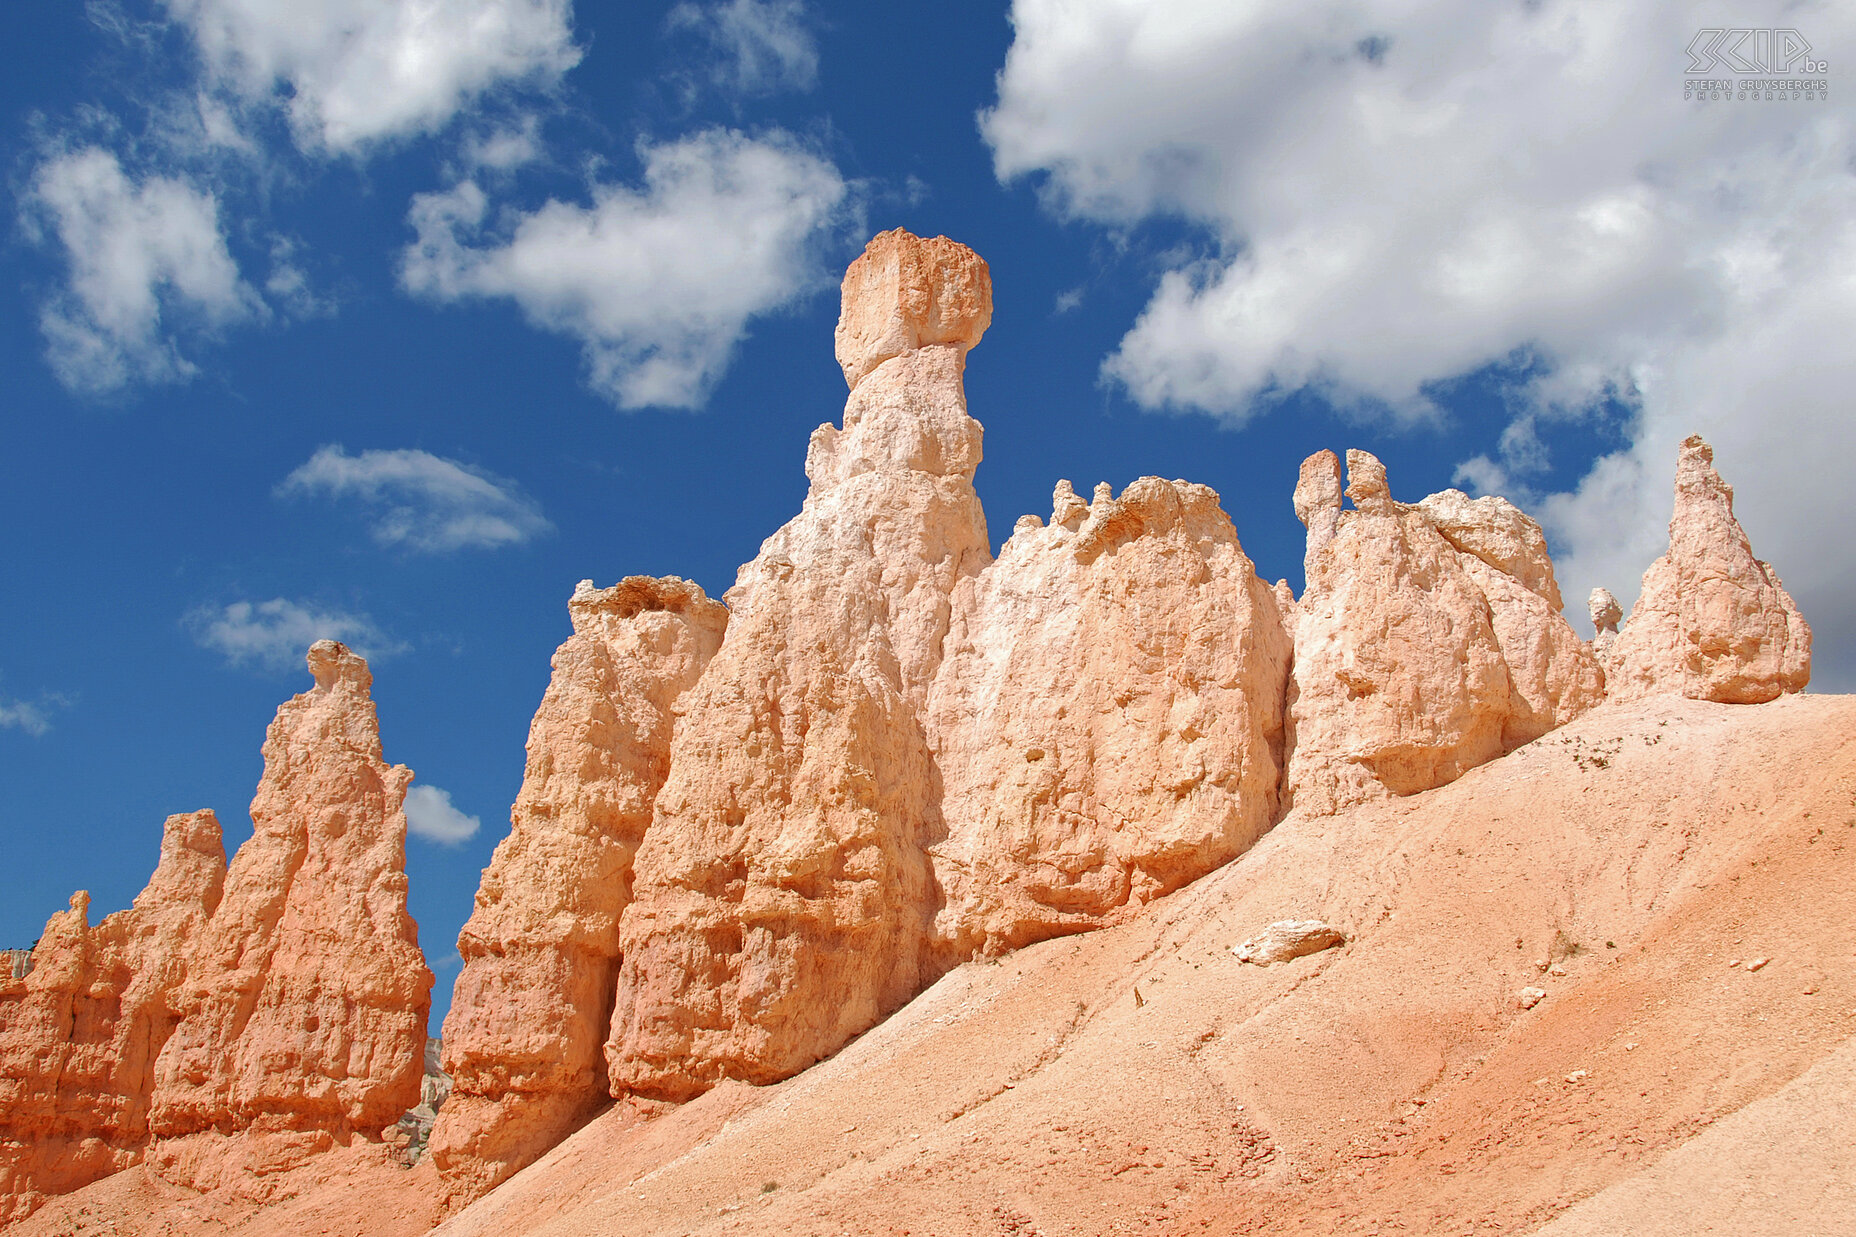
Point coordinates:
pixel 21 715
pixel 758 47
pixel 658 282
pixel 146 265
pixel 276 634
pixel 1395 194
pixel 429 815
pixel 353 72
pixel 423 502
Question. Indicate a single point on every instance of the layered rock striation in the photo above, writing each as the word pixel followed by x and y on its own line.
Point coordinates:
pixel 1108 719
pixel 79 1033
pixel 1429 638
pixel 1712 622
pixel 524 1040
pixel 301 1018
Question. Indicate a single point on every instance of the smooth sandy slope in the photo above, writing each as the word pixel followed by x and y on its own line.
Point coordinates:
pixel 1390 1086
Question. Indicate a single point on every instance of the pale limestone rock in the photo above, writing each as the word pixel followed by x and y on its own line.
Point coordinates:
pixel 782 898
pixel 1605 612
pixel 905 293
pixel 1552 674
pixel 1318 498
pixel 1530 997
pixel 1285 601
pixel 1496 531
pixel 1712 622
pixel 302 1017
pixel 1428 639
pixel 80 1032
pixel 1288 939
pixel 1107 720
pixel 435 1086
pixel 524 1040
pixel 1366 483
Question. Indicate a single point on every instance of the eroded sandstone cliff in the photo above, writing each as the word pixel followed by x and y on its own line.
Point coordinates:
pixel 524 1040
pixel 1429 638
pixel 783 897
pixel 302 1016
pixel 79 1034
pixel 1108 720
pixel 746 834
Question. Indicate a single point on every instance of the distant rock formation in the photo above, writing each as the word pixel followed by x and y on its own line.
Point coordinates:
pixel 1605 612
pixel 529 1016
pixel 783 898
pixel 80 1032
pixel 1712 621
pixel 1108 718
pixel 413 1132
pixel 1428 640
pixel 302 1014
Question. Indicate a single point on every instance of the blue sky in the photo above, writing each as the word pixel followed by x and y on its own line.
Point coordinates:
pixel 323 320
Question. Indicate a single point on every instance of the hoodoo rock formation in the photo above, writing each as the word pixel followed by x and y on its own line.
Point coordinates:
pixel 1429 638
pixel 231 1022
pixel 524 1040
pixel 79 1034
pixel 302 1016
pixel 1108 719
pixel 748 833
pixel 783 897
pixel 1712 621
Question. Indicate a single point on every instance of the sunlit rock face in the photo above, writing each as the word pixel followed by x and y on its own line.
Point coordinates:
pixel 301 1021
pixel 783 899
pixel 524 1039
pixel 79 1033
pixel 906 293
pixel 746 833
pixel 1428 640
pixel 1107 721
pixel 1712 622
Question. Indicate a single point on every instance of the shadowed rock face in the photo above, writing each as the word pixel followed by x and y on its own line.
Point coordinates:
pixel 1712 621
pixel 79 1034
pixel 783 896
pixel 1428 640
pixel 1108 719
pixel 529 1016
pixel 302 1017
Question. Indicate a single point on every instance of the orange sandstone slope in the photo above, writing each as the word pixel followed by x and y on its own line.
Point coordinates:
pixel 1634 864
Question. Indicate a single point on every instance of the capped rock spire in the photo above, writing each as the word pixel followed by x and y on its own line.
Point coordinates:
pixel 1712 621
pixel 906 293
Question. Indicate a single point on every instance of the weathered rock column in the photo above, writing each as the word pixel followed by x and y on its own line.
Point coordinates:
pixel 524 1040
pixel 1712 621
pixel 783 895
pixel 1429 639
pixel 80 1032
pixel 303 1013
